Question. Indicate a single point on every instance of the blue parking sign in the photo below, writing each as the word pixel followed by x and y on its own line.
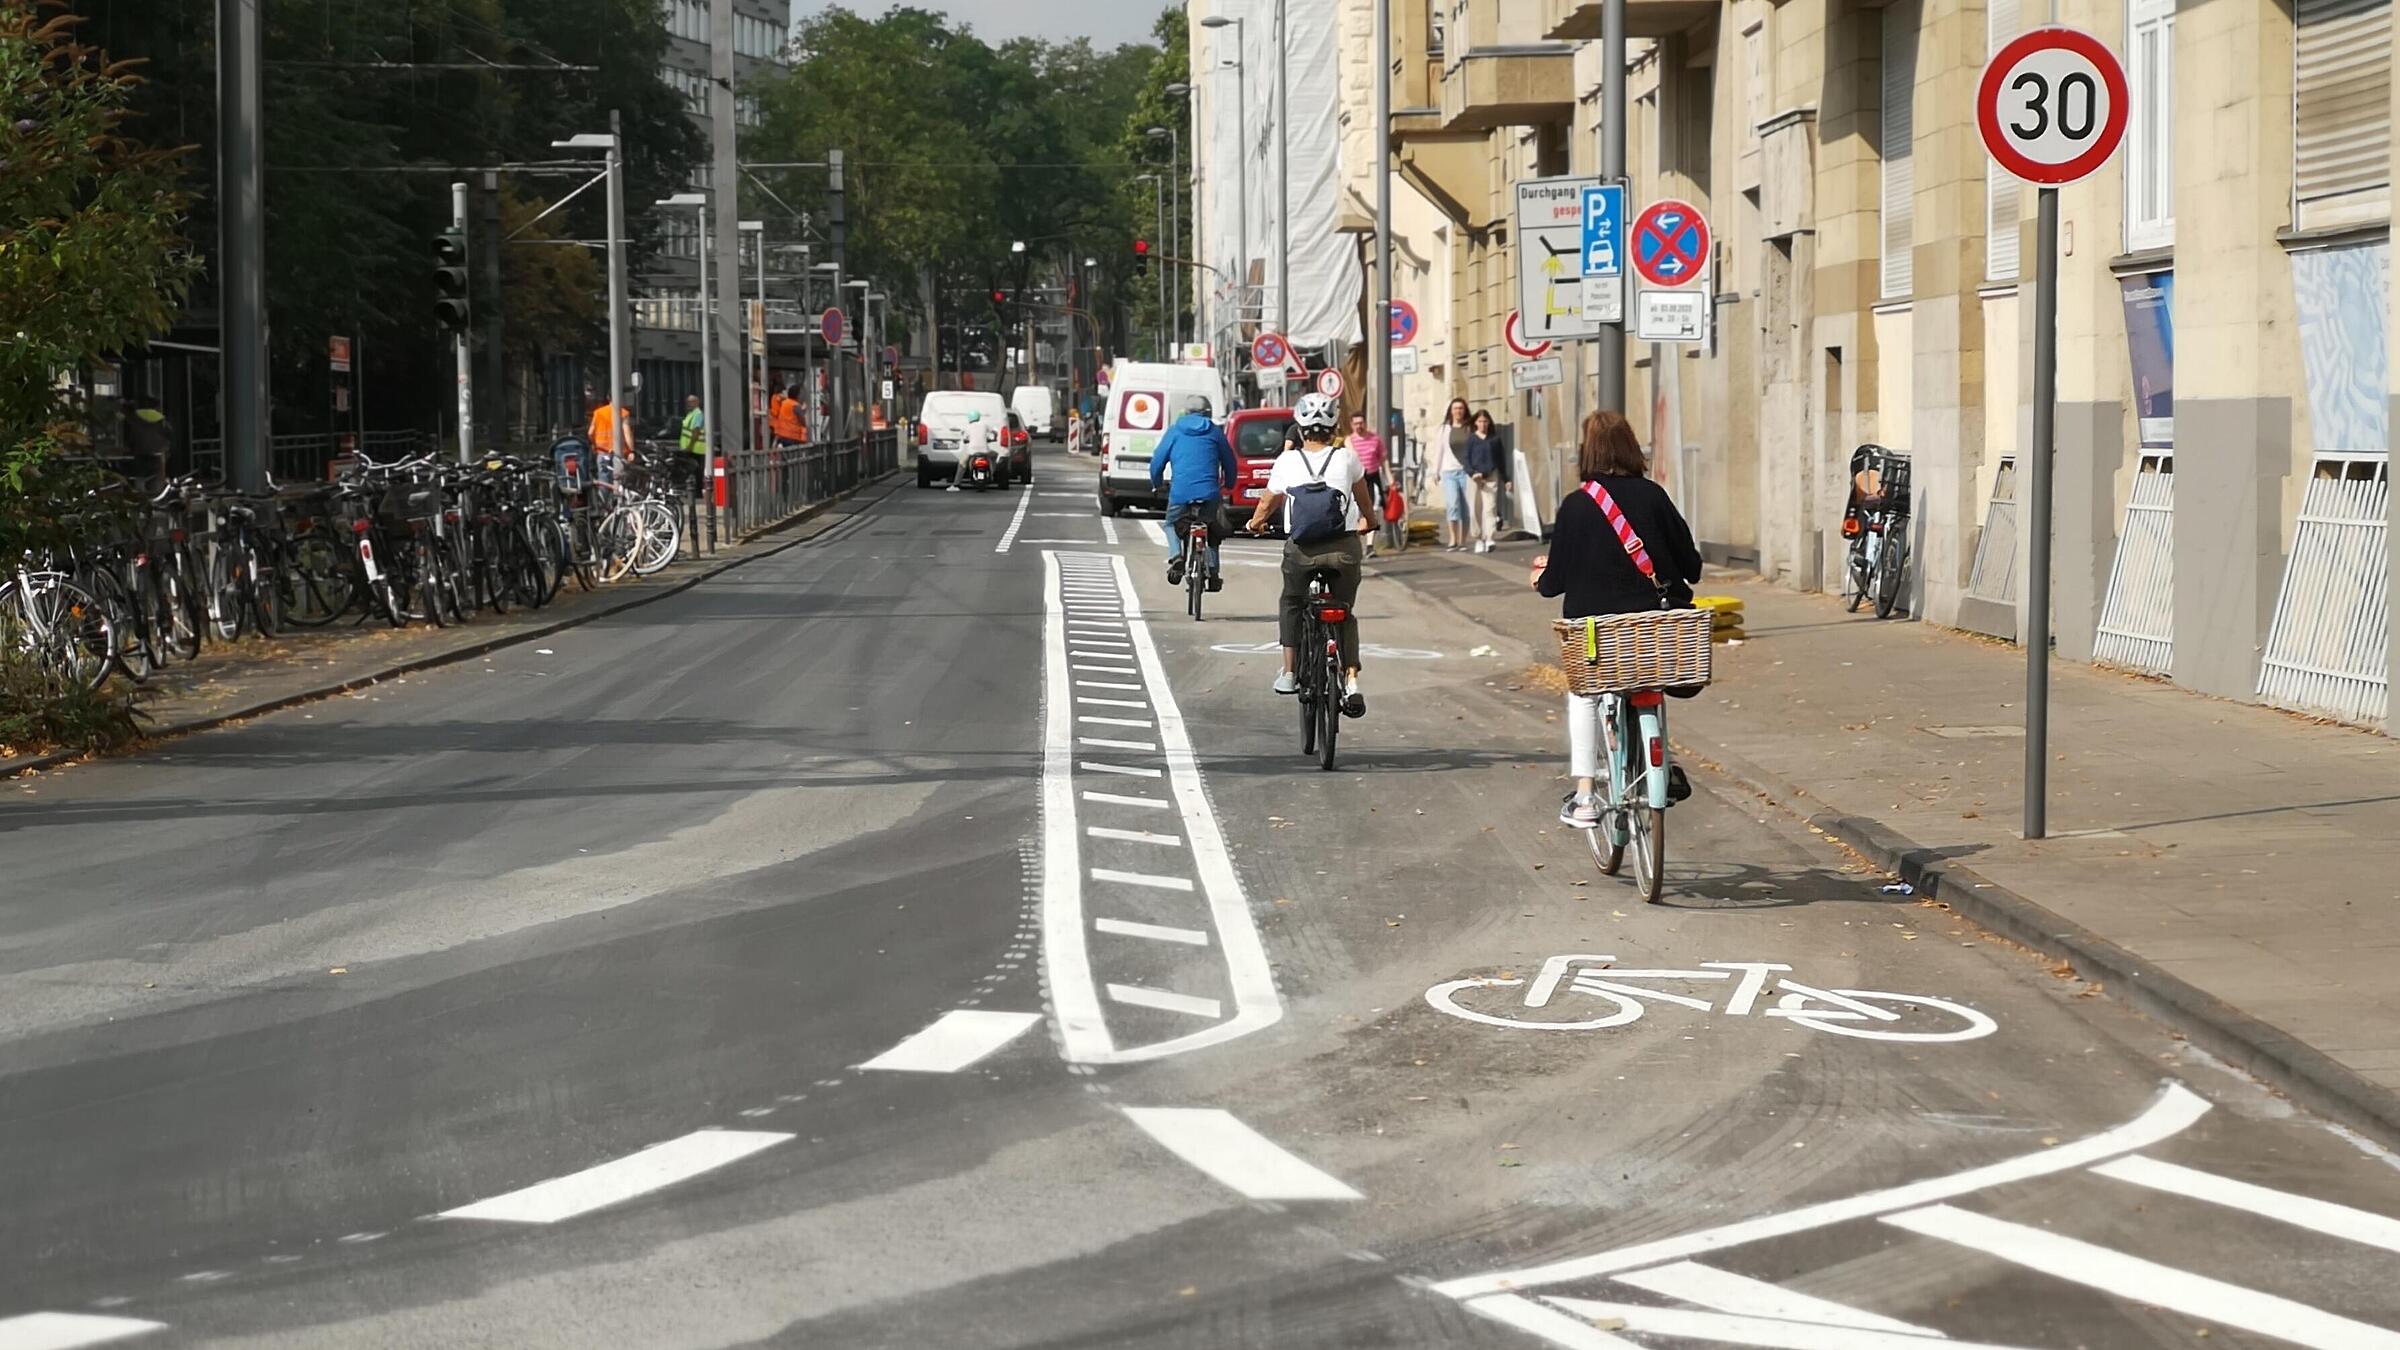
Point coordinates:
pixel 1604 230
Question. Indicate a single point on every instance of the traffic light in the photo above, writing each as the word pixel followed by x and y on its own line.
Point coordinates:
pixel 450 279
pixel 1141 257
pixel 999 299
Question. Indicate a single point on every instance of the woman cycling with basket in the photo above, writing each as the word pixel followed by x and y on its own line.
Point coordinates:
pixel 1606 530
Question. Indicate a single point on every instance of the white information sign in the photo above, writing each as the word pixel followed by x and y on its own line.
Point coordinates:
pixel 1549 235
pixel 1404 360
pixel 1671 316
pixel 1524 375
pixel 1604 299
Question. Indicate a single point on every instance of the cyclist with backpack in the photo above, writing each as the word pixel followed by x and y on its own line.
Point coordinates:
pixel 1200 464
pixel 1318 483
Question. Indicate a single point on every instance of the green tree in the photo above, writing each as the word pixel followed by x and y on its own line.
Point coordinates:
pixel 91 256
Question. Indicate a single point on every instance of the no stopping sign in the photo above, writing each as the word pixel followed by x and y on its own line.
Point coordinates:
pixel 2052 105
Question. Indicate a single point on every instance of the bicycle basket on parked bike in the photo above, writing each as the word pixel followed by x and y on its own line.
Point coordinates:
pixel 1879 478
pixel 1662 649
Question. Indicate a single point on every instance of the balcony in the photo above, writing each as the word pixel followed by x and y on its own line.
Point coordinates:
pixel 1579 20
pixel 1498 69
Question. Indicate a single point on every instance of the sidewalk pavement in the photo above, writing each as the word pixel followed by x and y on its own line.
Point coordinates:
pixel 250 677
pixel 2230 869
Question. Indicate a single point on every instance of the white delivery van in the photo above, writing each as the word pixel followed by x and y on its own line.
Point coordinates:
pixel 954 423
pixel 1144 399
pixel 1037 407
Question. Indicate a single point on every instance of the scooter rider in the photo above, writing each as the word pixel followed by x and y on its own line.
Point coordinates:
pixel 1203 466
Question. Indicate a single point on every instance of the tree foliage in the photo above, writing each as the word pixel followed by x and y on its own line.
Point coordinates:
pixel 91 257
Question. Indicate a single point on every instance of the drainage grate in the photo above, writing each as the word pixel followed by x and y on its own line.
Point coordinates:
pixel 2327 652
pixel 2137 621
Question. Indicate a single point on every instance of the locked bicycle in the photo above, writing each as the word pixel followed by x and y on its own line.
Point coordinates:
pixel 1876 524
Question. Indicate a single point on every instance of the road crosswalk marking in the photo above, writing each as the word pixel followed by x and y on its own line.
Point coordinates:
pixel 1156 932
pixel 2341 1221
pixel 1733 1329
pixel 1149 879
pixel 621 1179
pixel 1106 743
pixel 1130 771
pixel 956 1039
pixel 1133 836
pixel 1120 799
pixel 69 1331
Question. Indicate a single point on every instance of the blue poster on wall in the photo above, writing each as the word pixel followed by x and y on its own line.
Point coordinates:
pixel 2150 338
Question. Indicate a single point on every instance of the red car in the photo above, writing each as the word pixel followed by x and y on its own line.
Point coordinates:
pixel 1257 436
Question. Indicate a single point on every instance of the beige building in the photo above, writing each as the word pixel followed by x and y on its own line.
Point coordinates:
pixel 1868 266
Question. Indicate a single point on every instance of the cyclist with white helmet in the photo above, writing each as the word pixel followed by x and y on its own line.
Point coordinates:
pixel 1318 484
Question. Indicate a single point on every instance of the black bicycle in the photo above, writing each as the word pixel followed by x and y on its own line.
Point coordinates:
pixel 1877 526
pixel 1317 664
pixel 1195 563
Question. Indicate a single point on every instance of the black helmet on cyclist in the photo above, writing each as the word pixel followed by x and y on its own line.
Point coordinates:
pixel 1316 412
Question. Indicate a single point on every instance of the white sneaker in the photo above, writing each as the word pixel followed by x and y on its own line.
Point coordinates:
pixel 1579 811
pixel 1287 683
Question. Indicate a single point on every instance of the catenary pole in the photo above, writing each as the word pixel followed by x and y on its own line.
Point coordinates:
pixel 1608 347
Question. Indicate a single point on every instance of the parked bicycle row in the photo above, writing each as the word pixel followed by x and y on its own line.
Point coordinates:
pixel 143 583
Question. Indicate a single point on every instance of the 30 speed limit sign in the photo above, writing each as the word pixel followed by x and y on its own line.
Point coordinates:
pixel 2052 105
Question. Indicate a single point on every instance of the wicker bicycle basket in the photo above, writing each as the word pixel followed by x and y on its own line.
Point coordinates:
pixel 1662 649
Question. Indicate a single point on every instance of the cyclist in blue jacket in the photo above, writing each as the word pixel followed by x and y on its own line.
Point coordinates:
pixel 1203 468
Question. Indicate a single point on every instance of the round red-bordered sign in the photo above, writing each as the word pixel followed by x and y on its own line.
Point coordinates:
pixel 2028 109
pixel 830 326
pixel 1670 244
pixel 1269 350
pixel 1513 332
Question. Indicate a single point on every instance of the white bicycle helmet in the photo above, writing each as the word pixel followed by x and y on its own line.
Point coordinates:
pixel 1316 412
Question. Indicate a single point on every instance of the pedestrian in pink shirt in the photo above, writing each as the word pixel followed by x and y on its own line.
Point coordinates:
pixel 1369 448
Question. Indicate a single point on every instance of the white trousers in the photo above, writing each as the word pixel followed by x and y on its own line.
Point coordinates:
pixel 1585 738
pixel 1487 508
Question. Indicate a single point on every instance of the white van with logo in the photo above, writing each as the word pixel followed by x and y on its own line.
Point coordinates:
pixel 1144 399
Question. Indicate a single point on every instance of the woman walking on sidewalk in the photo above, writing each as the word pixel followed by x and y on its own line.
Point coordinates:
pixel 1590 566
pixel 1450 470
pixel 1482 462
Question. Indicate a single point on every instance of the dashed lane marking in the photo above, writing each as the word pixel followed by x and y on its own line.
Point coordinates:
pixel 1107 744
pixel 955 1040
pixel 654 1168
pixel 1111 703
pixel 1132 836
pixel 1149 879
pixel 1237 1156
pixel 1155 932
pixel 1108 527
pixel 1099 720
pixel 1130 771
pixel 1016 523
pixel 1166 1000
pixel 67 1331
pixel 1120 799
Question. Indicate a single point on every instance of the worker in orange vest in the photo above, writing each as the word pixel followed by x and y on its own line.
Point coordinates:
pixel 783 416
pixel 612 434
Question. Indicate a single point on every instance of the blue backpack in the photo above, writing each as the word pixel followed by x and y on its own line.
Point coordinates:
pixel 1320 511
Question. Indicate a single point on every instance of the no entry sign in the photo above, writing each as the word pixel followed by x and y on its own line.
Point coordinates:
pixel 1670 243
pixel 2052 105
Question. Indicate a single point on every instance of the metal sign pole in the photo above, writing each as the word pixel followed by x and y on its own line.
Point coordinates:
pixel 1609 347
pixel 2037 568
pixel 463 353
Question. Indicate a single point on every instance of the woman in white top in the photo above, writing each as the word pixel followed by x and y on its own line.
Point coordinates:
pixel 1319 459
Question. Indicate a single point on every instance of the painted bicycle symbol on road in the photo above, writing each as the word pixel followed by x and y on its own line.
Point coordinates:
pixel 1868 1014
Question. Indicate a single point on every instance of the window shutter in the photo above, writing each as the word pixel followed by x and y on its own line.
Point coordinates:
pixel 2001 191
pixel 1899 159
pixel 2341 115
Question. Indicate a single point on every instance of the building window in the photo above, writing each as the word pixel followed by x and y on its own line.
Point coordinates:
pixel 2341 113
pixel 1899 150
pixel 749 111
pixel 2150 133
pixel 2002 193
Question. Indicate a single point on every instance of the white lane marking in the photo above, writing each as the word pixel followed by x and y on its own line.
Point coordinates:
pixel 1729 1329
pixel 1156 932
pixel 1132 836
pixel 1151 880
pixel 1540 1319
pixel 2131 1277
pixel 1111 702
pixel 1017 522
pixel 1099 721
pixel 1108 528
pixel 1725 1292
pixel 1105 670
pixel 1118 799
pixel 1237 1156
pixel 2175 1107
pixel 1093 640
pixel 1102 656
pixel 1106 744
pixel 1070 543
pixel 2324 1216
pixel 657 1166
pixel 956 1039
pixel 1105 684
pixel 1062 494
pixel 1156 531
pixel 1096 766
pixel 1166 1000
pixel 1059 515
pixel 66 1331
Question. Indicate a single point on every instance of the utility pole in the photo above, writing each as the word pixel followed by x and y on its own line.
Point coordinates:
pixel 462 347
pixel 725 378
pixel 1379 341
pixel 1283 179
pixel 492 380
pixel 1609 346
pixel 838 217
pixel 620 320
pixel 241 243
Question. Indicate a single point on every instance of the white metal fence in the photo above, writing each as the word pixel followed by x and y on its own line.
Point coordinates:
pixel 2137 620
pixel 1994 576
pixel 2327 652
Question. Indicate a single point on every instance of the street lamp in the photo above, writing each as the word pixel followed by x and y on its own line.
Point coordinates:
pixel 757 376
pixel 1175 220
pixel 1016 246
pixel 1241 185
pixel 620 341
pixel 709 355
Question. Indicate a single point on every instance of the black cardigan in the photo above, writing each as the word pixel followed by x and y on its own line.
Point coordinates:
pixel 1589 565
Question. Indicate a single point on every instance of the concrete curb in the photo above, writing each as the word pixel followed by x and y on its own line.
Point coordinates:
pixel 32 763
pixel 2300 1071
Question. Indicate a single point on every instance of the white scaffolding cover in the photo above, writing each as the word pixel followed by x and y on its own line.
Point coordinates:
pixel 1324 267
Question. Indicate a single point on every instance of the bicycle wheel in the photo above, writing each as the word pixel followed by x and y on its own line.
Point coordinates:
pixel 125 648
pixel 1648 826
pixel 72 632
pixel 184 621
pixel 224 593
pixel 663 537
pixel 546 548
pixel 1307 698
pixel 616 543
pixel 1195 580
pixel 1329 706
pixel 263 598
pixel 432 606
pixel 1858 573
pixel 1607 839
pixel 315 582
pixel 1890 564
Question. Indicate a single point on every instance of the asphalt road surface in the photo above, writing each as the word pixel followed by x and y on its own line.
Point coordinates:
pixel 927 936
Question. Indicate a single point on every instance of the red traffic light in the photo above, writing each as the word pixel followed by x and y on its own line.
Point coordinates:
pixel 1141 248
pixel 999 297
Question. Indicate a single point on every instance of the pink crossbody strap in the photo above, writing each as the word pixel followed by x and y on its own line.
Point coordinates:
pixel 1623 527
